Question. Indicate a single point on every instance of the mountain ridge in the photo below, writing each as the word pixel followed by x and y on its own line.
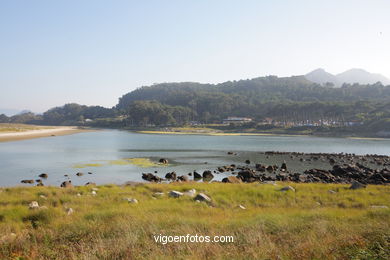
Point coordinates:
pixel 351 76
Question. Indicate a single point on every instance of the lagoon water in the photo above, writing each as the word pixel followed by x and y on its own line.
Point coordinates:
pixel 62 155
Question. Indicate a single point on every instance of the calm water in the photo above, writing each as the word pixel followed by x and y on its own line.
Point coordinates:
pixel 58 155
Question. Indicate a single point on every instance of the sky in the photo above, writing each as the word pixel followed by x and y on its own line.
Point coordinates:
pixel 93 51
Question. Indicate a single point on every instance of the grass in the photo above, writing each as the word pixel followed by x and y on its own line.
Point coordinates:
pixel 140 162
pixel 85 165
pixel 11 128
pixel 310 223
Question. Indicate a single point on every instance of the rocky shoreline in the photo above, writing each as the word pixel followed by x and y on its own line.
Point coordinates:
pixel 342 168
pixel 345 169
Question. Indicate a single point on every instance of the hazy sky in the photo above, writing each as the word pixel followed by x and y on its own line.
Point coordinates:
pixel 92 52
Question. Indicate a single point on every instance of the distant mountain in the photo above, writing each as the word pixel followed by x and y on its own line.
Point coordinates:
pixel 361 76
pixel 351 76
pixel 9 112
pixel 321 76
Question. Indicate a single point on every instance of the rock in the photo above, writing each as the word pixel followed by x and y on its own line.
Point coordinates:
pixel 241 206
pixel 89 172
pixel 175 194
pixel 270 168
pixel 79 174
pixel 297 177
pixel 40 184
pixel 69 211
pixel 197 176
pixel 287 188
pixel 27 181
pixel 66 184
pixel 191 193
pixel 33 205
pixel 230 153
pixel 247 176
pixel 93 193
pixel 78 194
pixel 221 169
pixel 283 167
pixel 247 161
pixel 43 197
pixel 151 177
pixel 202 197
pixel 259 167
pixel 158 194
pixel 379 207
pixel 231 179
pixel 183 178
pixel 132 200
pixel 207 175
pixel 163 161
pixel 43 175
pixel 170 176
pixel 318 175
pixel 282 177
pixel 357 185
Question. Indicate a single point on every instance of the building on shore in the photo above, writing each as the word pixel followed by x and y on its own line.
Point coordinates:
pixel 236 120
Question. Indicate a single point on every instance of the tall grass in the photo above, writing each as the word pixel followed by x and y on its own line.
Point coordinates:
pixel 310 223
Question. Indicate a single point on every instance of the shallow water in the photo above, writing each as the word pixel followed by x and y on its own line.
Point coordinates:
pixel 95 150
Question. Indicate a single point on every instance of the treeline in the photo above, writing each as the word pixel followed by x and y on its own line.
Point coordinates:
pixel 69 114
pixel 291 98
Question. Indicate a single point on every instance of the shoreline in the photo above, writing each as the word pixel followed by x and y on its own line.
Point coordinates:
pixel 211 133
pixel 39 133
pixel 251 134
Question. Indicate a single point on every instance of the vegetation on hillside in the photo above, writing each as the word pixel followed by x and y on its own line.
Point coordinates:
pixel 282 102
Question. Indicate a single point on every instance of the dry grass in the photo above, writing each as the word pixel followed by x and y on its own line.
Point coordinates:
pixel 12 128
pixel 310 223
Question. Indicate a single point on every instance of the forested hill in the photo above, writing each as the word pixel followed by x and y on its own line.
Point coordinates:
pixel 268 89
pixel 291 101
pixel 283 99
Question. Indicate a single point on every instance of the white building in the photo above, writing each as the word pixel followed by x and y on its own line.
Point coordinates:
pixel 237 120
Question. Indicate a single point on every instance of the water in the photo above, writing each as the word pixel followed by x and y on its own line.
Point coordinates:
pixel 58 155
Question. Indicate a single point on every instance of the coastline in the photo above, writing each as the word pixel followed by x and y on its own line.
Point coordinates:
pixel 212 133
pixel 39 133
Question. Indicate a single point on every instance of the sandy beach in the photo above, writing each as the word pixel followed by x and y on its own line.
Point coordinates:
pixel 37 133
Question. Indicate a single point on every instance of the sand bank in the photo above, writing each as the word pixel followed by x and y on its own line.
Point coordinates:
pixel 48 132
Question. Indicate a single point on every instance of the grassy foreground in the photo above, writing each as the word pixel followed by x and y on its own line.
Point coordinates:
pixel 310 223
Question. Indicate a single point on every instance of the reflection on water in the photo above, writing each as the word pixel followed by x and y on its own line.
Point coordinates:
pixel 186 153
